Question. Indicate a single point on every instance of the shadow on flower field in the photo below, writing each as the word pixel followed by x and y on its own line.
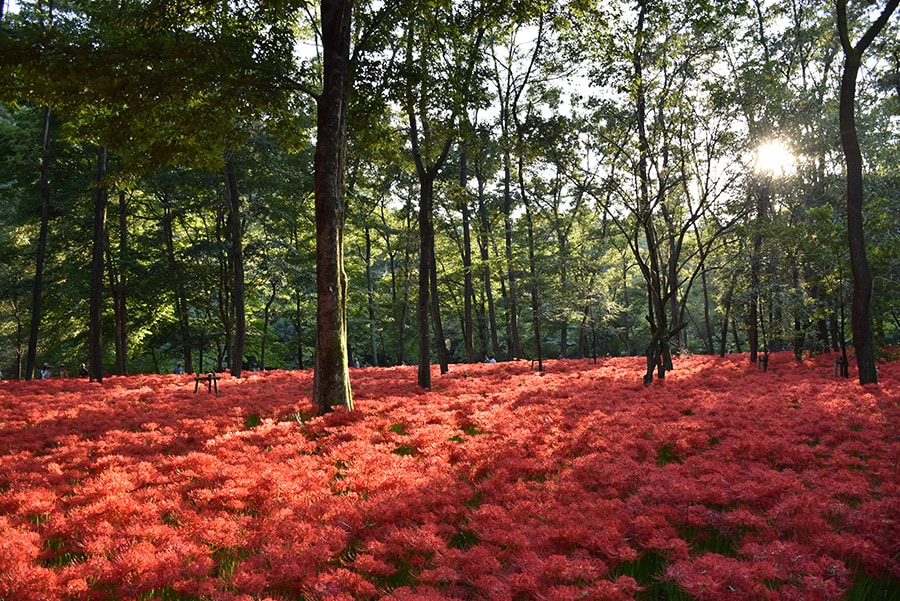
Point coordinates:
pixel 720 482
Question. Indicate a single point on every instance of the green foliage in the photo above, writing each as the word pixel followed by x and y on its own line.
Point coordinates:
pixel 169 87
pixel 869 588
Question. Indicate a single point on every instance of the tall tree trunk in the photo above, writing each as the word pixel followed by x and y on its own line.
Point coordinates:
pixel 235 223
pixel 707 321
pixel 267 312
pixel 468 291
pixel 484 244
pixel 443 351
pixel 564 287
pixel 404 315
pixel 514 343
pixel 95 346
pixel 532 265
pixel 331 385
pixel 736 337
pixel 37 291
pixel 833 330
pixel 426 244
pixel 298 326
pixel 657 351
pixel 723 342
pixel 225 304
pixel 535 293
pixel 370 297
pixel 118 280
pixel 761 196
pixel 427 266
pixel 407 282
pixel 181 305
pixel 861 304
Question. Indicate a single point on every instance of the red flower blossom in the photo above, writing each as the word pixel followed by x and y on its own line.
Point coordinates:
pixel 499 483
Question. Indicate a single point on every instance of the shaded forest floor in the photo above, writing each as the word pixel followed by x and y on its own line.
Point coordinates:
pixel 721 482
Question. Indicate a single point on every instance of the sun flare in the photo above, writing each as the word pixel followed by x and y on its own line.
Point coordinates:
pixel 774 158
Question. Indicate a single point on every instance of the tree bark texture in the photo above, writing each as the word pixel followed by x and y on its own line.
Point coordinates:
pixel 761 193
pixel 370 298
pixel 118 278
pixel 443 353
pixel 37 290
pixel 332 375
pixel 426 243
pixel 861 303
pixel 484 245
pixel 95 345
pixel 235 229
pixel 181 304
pixel 468 291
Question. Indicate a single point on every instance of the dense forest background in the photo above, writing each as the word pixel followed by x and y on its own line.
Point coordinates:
pixel 523 179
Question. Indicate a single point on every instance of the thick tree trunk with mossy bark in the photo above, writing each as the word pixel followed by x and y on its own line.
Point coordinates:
pixel 332 375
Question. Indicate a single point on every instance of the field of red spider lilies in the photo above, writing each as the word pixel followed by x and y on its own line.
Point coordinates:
pixel 502 483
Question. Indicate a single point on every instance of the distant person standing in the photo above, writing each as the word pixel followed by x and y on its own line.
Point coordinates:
pixel 82 371
pixel 45 372
pixel 178 369
pixel 63 372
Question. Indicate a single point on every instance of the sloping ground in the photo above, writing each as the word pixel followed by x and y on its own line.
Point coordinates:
pixel 720 482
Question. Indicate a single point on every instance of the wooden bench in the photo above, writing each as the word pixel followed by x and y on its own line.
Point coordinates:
pixel 211 379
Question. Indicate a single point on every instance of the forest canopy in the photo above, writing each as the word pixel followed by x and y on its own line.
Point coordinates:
pixel 522 180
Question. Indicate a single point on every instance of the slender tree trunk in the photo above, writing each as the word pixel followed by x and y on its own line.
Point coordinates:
pixel 426 243
pixel 331 385
pixel 484 244
pixel 729 294
pixel 404 316
pixel 370 297
pixel 20 339
pixel 95 354
pixel 468 291
pixel 180 294
pixel 532 265
pixel 515 345
pixel 235 223
pixel 761 194
pixel 861 303
pixel 226 305
pixel 298 326
pixel 407 283
pixel 267 312
pixel 657 351
pixel 736 337
pixel 707 321
pixel 564 287
pixel 442 351
pixel 37 291
pixel 833 331
pixel 427 266
pixel 533 285
pixel 118 279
